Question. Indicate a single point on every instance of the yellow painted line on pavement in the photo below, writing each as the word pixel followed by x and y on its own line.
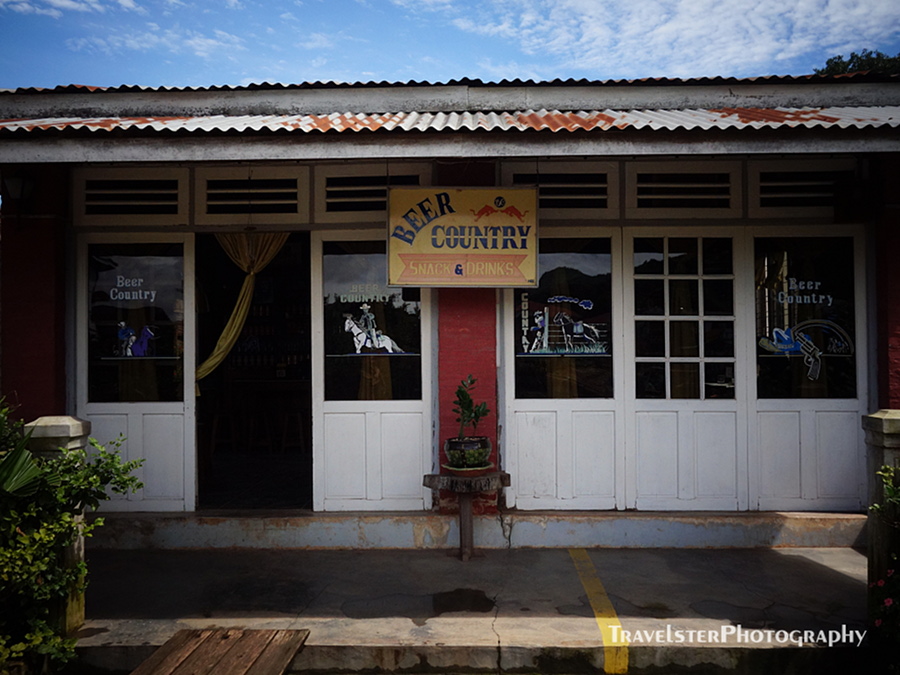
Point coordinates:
pixel 615 646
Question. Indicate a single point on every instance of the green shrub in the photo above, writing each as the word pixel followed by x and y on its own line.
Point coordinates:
pixel 41 501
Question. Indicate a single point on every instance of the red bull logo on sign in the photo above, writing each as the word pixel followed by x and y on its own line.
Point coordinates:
pixel 462 237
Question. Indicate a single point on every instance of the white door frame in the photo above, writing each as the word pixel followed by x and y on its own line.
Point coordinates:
pixel 161 434
pixel 368 455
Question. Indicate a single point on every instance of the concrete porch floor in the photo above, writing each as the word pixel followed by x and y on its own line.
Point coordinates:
pixel 545 593
pixel 515 610
pixel 509 529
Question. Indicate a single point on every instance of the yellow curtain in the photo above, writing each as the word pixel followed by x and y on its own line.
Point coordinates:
pixel 251 251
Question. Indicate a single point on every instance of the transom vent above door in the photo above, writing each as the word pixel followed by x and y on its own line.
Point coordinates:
pixel 347 193
pixel 252 195
pixel 139 196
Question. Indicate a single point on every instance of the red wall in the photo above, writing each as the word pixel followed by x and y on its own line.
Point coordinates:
pixel 32 295
pixel 467 344
pixel 887 241
pixel 467 338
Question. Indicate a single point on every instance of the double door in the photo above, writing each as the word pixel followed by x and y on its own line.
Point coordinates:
pixel 704 369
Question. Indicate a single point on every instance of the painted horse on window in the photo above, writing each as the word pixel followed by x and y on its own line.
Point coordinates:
pixel 369 339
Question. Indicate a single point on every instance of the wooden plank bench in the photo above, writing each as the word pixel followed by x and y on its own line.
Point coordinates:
pixel 225 651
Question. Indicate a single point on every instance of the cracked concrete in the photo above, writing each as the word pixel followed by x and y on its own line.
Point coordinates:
pixel 516 610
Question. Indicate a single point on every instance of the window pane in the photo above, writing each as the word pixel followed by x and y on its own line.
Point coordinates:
pixel 718 338
pixel 685 380
pixel 718 297
pixel 372 332
pixel 564 340
pixel 682 256
pixel 719 380
pixel 136 322
pixel 648 255
pixel 684 338
pixel 805 317
pixel 649 297
pixel 650 338
pixel 560 377
pixel 651 380
pixel 683 297
pixel 717 256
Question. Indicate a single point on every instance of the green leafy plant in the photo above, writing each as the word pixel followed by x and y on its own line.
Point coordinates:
pixel 41 504
pixel 468 412
pixel 884 593
pixel 889 507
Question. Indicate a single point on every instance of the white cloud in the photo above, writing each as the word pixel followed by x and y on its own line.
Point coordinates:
pixel 76 5
pixel 175 40
pixel 317 41
pixel 31 8
pixel 641 38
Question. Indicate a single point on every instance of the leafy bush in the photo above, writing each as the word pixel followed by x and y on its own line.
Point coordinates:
pixel 41 501
pixel 884 592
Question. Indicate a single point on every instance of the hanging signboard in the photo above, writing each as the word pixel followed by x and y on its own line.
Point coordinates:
pixel 462 237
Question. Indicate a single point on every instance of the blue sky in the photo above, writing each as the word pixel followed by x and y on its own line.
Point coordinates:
pixel 44 43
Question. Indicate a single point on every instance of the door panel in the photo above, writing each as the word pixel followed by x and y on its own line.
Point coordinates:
pixel 684 381
pixel 372 440
pixel 563 448
pixel 811 362
pixel 134 357
pixel 716 451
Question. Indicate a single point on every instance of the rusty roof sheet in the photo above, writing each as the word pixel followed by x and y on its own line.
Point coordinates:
pixel 528 120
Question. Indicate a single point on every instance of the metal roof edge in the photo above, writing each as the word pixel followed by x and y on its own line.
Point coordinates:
pixel 850 78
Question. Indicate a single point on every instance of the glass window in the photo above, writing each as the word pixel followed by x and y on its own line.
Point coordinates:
pixel 564 334
pixel 373 340
pixel 805 317
pixel 135 322
pixel 684 317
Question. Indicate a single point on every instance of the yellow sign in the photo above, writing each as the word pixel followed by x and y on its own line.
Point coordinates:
pixel 462 237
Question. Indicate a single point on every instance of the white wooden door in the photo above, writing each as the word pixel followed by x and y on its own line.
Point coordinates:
pixel 372 404
pixel 812 388
pixel 135 359
pixel 685 385
pixel 563 444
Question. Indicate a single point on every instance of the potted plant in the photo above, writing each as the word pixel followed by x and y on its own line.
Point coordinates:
pixel 468 454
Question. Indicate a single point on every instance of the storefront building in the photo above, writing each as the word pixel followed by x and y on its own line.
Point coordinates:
pixel 674 294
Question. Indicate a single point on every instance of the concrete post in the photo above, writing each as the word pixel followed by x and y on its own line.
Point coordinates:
pixel 883 444
pixel 54 433
pixel 50 435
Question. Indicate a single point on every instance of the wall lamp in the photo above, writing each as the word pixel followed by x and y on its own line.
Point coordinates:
pixel 17 187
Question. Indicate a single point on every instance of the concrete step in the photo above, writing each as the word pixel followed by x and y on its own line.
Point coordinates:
pixel 511 529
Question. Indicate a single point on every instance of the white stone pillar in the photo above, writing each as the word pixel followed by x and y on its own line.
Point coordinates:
pixel 49 436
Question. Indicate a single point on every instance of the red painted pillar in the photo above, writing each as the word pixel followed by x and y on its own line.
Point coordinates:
pixel 887 236
pixel 467 344
pixel 467 339
pixel 33 294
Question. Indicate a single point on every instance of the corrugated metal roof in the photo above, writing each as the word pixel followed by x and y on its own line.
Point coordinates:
pixel 864 76
pixel 528 120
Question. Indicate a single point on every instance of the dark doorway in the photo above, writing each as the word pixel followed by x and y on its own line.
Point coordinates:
pixel 254 411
